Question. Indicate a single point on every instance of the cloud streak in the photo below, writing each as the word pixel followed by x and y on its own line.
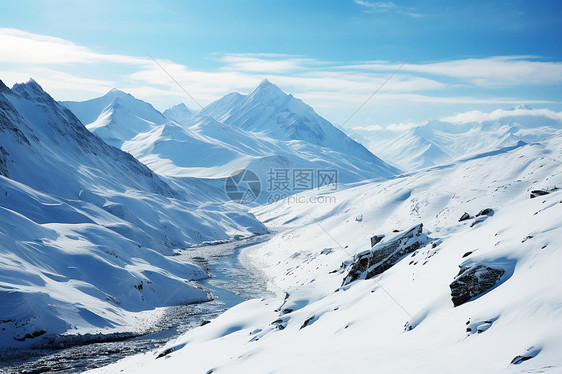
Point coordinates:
pixel 336 89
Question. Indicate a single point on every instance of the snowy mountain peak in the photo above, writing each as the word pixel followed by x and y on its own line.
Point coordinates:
pixel 522 107
pixel 267 91
pixel 116 93
pixel 265 83
pixel 30 90
pixel 179 113
pixel 117 116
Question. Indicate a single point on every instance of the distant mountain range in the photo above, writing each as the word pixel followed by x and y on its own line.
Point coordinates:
pixel 437 142
pixel 263 131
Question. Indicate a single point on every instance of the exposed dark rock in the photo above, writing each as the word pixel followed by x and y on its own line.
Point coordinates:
pixel 529 354
pixel 280 324
pixel 527 238
pixel 382 257
pixel 464 217
pixel 473 280
pixel 204 322
pixel 165 353
pixel 326 251
pixel 467 254
pixel 537 193
pixel 4 162
pixel 307 322
pixel 485 212
pixel 34 334
pixel 375 239
pixel 396 230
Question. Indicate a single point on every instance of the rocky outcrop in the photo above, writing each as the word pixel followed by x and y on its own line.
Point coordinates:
pixel 4 162
pixel 529 354
pixel 382 257
pixel 464 217
pixel 485 212
pixel 375 239
pixel 473 280
pixel 537 193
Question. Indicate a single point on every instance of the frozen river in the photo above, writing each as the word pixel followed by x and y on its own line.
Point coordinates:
pixel 232 281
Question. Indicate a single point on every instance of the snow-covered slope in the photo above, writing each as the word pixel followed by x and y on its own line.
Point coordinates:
pixel 116 116
pixel 84 225
pixel 444 295
pixel 437 142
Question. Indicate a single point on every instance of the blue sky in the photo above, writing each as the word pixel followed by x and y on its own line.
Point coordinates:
pixel 333 54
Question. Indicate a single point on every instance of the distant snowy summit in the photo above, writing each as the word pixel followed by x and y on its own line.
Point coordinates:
pixel 116 116
pixel 442 141
pixel 179 113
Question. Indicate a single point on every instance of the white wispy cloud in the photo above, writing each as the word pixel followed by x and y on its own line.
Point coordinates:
pixel 71 71
pixel 498 114
pixel 262 63
pixel 22 47
pixel 385 6
pixel 490 72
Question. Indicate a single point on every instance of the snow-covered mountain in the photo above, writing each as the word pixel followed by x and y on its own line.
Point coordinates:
pixel 179 113
pixel 440 141
pixel 116 116
pixel 270 111
pixel 451 269
pixel 264 130
pixel 84 226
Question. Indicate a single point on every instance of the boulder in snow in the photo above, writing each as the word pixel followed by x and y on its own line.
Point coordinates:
pixel 464 217
pixel 371 263
pixel 375 239
pixel 485 212
pixel 474 280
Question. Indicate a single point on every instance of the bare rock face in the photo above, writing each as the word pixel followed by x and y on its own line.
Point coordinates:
pixel 537 193
pixel 485 212
pixel 4 162
pixel 382 257
pixel 464 217
pixel 473 280
pixel 375 239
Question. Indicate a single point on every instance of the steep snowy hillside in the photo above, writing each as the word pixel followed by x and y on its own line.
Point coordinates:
pixel 83 227
pixel 437 142
pixel 463 277
pixel 178 113
pixel 116 116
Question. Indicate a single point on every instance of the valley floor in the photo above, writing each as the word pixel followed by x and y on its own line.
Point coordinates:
pixel 232 281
